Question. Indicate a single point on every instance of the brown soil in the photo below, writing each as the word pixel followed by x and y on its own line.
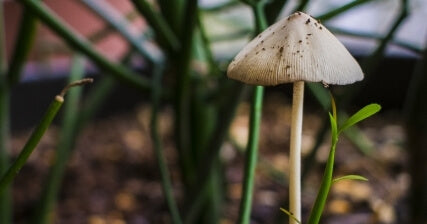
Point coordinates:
pixel 113 177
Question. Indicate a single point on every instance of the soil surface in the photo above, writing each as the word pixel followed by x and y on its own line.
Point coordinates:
pixel 112 176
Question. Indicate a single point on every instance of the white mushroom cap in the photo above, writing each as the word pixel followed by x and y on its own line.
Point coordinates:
pixel 296 48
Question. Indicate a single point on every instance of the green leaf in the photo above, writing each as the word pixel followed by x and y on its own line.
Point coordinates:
pixel 362 114
pixel 290 215
pixel 350 177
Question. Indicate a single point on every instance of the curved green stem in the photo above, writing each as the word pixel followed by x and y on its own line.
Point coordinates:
pixel 255 122
pixel 66 142
pixel 31 143
pixel 339 10
pixel 251 156
pixel 5 197
pixel 117 21
pixel 158 148
pixel 23 45
pixel 76 42
pixel 159 25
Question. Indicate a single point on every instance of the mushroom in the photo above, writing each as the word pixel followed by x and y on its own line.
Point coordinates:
pixel 294 50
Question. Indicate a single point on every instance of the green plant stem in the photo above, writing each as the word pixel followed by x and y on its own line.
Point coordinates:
pixel 221 7
pixel 403 44
pixel 158 148
pixel 167 37
pixel 80 44
pixel 119 23
pixel 371 63
pixel 23 45
pixel 339 10
pixel 35 137
pixel 254 126
pixel 316 211
pixel 5 200
pixel 5 197
pixel 302 5
pixel 273 9
pixel 213 69
pixel 65 144
pixel 251 157
pixel 31 143
pixel 173 11
pixel 183 88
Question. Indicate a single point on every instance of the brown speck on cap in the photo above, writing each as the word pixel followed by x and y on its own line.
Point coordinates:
pixel 307 22
pixel 300 41
pixel 281 49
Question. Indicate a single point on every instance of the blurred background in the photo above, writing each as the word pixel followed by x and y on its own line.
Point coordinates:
pixel 109 170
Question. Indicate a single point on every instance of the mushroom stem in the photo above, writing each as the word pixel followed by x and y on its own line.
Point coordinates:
pixel 295 152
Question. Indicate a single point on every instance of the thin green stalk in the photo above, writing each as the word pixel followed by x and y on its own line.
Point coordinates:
pixel 371 63
pixel 5 197
pixel 182 104
pixel 119 23
pixel 158 148
pixel 273 9
pixel 65 144
pixel 35 138
pixel 251 157
pixel 173 12
pixel 254 126
pixel 302 5
pixel 325 186
pixel 76 42
pixel 403 44
pixel 213 68
pixel 31 143
pixel 216 195
pixel 226 114
pixel 159 25
pixel 221 7
pixel 342 9
pixel 23 45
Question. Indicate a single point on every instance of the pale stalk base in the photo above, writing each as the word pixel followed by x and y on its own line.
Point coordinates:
pixel 295 152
